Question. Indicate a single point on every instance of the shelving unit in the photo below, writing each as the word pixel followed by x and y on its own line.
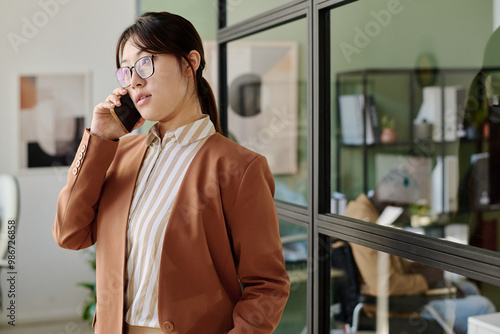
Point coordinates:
pixel 397 93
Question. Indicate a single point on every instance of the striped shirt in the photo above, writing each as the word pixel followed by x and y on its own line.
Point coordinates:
pixel 164 166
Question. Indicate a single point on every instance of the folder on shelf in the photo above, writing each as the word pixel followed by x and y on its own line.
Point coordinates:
pixel 352 114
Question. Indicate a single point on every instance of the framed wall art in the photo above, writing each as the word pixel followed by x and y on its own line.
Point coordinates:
pixel 262 99
pixel 52 115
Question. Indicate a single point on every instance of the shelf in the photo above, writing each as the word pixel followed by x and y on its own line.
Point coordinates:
pixel 374 93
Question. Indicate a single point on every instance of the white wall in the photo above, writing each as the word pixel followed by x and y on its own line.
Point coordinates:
pixel 73 36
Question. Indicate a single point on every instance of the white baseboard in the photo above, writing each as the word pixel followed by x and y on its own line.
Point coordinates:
pixel 42 317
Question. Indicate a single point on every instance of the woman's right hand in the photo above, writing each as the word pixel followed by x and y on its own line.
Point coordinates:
pixel 103 124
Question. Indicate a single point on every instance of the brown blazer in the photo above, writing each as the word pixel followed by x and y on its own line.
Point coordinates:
pixel 223 231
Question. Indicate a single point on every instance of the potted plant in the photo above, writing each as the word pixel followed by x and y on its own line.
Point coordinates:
pixel 388 134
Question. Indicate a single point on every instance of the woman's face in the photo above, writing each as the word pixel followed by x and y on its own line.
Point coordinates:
pixel 169 95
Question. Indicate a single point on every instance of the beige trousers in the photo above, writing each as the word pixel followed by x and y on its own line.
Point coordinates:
pixel 127 329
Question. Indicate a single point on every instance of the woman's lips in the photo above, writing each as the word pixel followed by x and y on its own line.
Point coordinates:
pixel 143 99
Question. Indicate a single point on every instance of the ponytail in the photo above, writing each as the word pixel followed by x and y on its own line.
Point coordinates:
pixel 207 100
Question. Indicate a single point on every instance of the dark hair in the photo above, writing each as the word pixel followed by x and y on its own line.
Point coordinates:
pixel 167 33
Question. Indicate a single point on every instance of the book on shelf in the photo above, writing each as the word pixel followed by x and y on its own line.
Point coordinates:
pixel 373 119
pixel 353 114
pixel 445 185
pixel 434 111
pixel 480 174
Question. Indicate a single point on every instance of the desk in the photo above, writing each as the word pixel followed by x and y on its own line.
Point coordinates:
pixel 484 324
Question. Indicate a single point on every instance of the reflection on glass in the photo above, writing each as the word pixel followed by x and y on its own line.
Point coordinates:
pixel 383 293
pixel 267 108
pixel 239 10
pixel 415 119
pixel 294 240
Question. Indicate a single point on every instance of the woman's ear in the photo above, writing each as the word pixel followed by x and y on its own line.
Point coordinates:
pixel 194 59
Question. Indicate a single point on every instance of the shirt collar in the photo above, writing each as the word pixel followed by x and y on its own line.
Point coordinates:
pixel 184 135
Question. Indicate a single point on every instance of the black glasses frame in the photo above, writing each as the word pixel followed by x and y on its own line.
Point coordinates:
pixel 133 67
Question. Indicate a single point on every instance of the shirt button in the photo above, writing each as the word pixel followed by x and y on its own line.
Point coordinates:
pixel 78 163
pixel 168 326
pixel 83 148
pixel 75 171
pixel 80 156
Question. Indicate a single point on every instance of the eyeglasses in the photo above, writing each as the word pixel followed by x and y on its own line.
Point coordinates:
pixel 144 67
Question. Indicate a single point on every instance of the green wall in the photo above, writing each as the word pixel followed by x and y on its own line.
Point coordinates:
pixel 201 13
pixel 454 31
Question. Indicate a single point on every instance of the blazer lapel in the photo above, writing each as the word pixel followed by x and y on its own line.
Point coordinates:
pixel 119 191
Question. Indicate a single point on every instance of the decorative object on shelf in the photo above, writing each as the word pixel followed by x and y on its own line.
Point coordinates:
pixel 388 134
pixel 420 214
pixel 444 115
pixel 461 132
pixel 427 70
pixel 486 130
pixel 423 130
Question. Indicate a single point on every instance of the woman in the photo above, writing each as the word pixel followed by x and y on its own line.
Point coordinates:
pixel 184 221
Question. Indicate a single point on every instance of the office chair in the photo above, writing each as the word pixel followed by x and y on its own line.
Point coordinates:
pixel 9 213
pixel 404 311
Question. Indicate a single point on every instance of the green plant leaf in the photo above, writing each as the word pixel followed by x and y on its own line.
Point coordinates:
pixel 90 286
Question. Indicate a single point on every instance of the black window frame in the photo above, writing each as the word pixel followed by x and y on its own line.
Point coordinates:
pixel 470 261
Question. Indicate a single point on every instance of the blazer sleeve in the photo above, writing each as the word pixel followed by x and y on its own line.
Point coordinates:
pixel 78 200
pixel 254 228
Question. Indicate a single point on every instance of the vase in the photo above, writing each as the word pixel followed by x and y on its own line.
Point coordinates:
pixel 388 136
pixel 423 131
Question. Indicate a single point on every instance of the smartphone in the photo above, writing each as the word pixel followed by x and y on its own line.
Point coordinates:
pixel 126 114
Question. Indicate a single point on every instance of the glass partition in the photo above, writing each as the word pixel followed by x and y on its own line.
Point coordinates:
pixel 267 103
pixel 294 240
pixel 240 10
pixel 375 292
pixel 415 97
